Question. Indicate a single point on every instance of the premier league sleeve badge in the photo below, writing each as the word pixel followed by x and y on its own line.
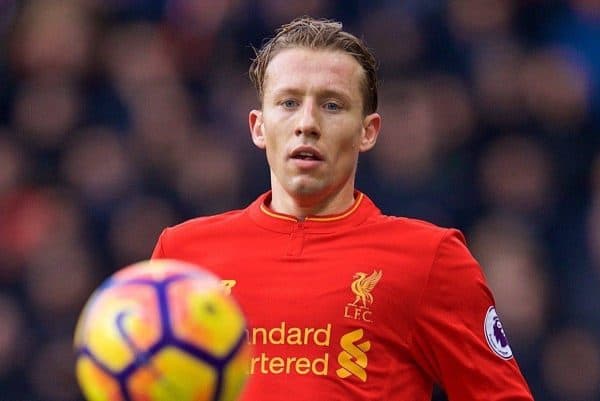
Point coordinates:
pixel 495 336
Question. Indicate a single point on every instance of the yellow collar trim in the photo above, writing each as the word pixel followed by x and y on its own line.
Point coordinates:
pixel 268 212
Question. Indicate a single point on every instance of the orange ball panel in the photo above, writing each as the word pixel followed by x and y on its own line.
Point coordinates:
pixel 205 316
pixel 123 319
pixel 173 375
pixel 97 385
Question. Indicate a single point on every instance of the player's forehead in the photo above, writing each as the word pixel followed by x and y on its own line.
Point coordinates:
pixel 327 69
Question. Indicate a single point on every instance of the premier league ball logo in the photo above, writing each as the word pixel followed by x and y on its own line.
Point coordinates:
pixel 495 336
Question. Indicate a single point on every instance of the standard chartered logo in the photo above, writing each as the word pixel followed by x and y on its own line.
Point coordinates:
pixel 288 346
pixel 290 338
pixel 353 359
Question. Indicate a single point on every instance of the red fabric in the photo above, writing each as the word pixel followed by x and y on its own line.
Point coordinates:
pixel 322 333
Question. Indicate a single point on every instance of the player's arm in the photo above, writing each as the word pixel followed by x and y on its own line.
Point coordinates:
pixel 458 338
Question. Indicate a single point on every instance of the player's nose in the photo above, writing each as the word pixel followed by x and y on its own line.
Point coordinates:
pixel 308 122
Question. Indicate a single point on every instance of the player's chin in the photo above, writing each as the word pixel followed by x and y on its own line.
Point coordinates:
pixel 308 187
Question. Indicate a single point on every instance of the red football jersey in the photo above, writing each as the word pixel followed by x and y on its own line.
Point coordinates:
pixel 354 307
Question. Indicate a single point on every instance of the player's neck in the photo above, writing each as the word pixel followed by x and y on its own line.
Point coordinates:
pixel 302 206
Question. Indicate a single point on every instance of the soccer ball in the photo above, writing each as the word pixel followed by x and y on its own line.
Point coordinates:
pixel 161 330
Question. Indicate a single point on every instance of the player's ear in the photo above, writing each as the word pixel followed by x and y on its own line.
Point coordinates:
pixel 256 128
pixel 370 132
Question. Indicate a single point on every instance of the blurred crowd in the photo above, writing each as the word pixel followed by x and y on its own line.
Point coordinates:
pixel 121 117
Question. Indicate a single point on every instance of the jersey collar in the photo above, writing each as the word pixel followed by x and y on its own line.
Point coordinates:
pixel 267 218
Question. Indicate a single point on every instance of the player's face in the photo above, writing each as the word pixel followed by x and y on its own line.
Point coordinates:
pixel 312 124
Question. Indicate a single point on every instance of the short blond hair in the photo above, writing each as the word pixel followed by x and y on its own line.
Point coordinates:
pixel 318 34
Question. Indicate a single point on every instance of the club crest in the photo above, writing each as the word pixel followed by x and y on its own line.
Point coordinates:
pixel 362 286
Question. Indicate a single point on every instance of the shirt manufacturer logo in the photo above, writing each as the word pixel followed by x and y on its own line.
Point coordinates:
pixel 228 285
pixel 362 286
pixel 353 359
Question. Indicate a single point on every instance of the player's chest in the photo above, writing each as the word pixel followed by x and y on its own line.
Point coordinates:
pixel 309 291
pixel 340 283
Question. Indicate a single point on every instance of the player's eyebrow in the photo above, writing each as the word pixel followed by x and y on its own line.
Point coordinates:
pixel 331 93
pixel 286 91
pixel 321 94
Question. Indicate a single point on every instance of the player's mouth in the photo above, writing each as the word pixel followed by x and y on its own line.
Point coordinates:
pixel 306 157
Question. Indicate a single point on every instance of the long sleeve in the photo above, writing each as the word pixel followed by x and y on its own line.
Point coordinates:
pixel 458 338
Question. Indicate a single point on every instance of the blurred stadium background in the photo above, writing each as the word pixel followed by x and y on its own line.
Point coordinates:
pixel 120 117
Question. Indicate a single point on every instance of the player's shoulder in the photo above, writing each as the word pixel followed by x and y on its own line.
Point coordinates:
pixel 422 236
pixel 209 223
pixel 184 239
pixel 414 226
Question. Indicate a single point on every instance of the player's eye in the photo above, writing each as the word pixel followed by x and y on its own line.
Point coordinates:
pixel 332 106
pixel 289 103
